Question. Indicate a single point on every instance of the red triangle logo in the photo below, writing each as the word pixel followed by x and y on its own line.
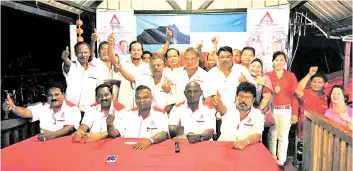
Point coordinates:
pixel 266 18
pixel 114 20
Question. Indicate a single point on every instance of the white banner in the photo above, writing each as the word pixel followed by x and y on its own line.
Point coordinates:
pixel 122 23
pixel 267 32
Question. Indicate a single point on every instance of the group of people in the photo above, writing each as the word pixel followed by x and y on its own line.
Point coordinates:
pixel 174 95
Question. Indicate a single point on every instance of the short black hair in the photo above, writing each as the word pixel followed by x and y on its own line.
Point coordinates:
pixel 257 60
pixel 122 42
pixel 166 56
pixel 278 53
pixel 134 42
pixel 54 84
pixel 142 87
pixel 147 52
pixel 225 48
pixel 247 87
pixel 248 48
pixel 110 88
pixel 345 95
pixel 78 44
pixel 320 75
pixel 101 44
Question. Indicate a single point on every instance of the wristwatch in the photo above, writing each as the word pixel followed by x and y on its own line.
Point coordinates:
pixel 247 142
pixel 201 138
pixel 152 141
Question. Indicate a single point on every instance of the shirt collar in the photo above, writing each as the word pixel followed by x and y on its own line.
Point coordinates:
pixel 59 109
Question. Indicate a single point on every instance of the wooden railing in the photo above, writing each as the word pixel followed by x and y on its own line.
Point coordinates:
pixel 327 144
pixel 16 130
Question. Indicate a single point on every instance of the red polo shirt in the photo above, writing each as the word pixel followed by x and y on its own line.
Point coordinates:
pixel 311 101
pixel 288 83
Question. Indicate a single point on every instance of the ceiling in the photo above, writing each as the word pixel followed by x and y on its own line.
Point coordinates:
pixel 333 16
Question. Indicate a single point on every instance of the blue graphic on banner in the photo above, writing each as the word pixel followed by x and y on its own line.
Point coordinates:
pixel 218 23
pixel 151 29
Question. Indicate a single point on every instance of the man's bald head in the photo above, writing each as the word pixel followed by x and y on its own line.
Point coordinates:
pixel 193 92
pixel 193 84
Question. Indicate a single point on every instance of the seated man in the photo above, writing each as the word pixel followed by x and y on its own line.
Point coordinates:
pixel 144 121
pixel 99 117
pixel 195 116
pixel 313 98
pixel 57 117
pixel 242 123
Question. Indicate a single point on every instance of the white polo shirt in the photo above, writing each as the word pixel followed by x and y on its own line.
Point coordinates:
pixel 226 86
pixel 168 72
pixel 160 98
pixel 81 84
pixel 134 126
pixel 96 120
pixel 67 114
pixel 107 74
pixel 202 119
pixel 181 78
pixel 233 128
pixel 127 89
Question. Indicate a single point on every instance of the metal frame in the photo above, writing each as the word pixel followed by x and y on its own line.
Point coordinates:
pixel 77 6
pixel 45 13
pixel 173 4
pixel 206 4
pixel 235 10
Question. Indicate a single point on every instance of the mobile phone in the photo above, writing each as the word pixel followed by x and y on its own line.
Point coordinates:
pixel 111 159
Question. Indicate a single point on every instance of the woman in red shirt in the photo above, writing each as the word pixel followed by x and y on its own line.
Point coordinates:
pixel 285 103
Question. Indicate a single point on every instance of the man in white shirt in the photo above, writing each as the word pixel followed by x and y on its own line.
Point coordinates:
pixel 189 72
pixel 173 60
pixel 99 117
pixel 82 77
pixel 194 116
pixel 225 77
pixel 161 86
pixel 243 123
pixel 105 67
pixel 129 71
pixel 145 121
pixel 57 117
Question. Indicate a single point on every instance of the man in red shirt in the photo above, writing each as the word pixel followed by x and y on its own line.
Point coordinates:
pixel 312 98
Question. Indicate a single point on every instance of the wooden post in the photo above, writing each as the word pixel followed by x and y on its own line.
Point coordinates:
pixel 346 63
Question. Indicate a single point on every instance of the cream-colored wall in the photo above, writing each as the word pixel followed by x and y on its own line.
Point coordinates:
pixel 163 5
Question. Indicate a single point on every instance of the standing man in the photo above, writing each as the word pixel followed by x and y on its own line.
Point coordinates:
pixel 57 117
pixel 145 121
pixel 130 70
pixel 100 117
pixel 82 77
pixel 313 98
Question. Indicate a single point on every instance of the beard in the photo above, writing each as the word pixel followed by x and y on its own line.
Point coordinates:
pixel 243 107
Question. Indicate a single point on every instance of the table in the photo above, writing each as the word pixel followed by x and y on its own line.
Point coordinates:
pixel 63 154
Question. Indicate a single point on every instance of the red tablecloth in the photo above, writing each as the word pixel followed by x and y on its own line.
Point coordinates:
pixel 62 154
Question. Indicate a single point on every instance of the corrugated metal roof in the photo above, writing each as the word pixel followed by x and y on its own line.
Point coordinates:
pixel 79 3
pixel 330 11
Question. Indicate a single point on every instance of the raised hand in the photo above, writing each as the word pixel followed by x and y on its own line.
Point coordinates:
pixel 214 40
pixel 94 36
pixel 260 80
pixel 313 70
pixel 166 86
pixel 110 118
pixel 65 54
pixel 217 99
pixel 111 39
pixel 242 78
pixel 168 33
pixel 8 104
